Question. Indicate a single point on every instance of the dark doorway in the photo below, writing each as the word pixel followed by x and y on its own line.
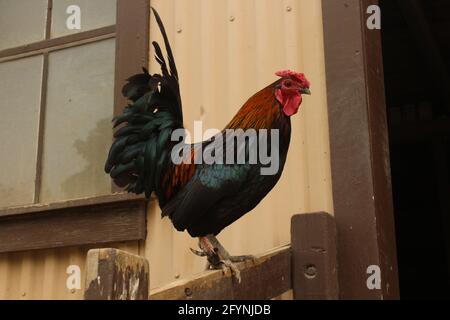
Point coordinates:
pixel 416 54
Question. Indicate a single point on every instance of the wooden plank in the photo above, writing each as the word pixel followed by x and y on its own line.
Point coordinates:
pixel 90 223
pixel 49 44
pixel 113 198
pixel 381 199
pixel 314 257
pixel 112 274
pixel 58 47
pixel 265 278
pixel 359 150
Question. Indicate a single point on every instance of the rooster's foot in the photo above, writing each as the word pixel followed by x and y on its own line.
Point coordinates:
pixel 198 253
pixel 235 272
pixel 224 265
pixel 223 253
pixel 207 250
pixel 218 257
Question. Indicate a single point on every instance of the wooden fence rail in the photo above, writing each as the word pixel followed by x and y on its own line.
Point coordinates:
pixel 268 276
pixel 307 266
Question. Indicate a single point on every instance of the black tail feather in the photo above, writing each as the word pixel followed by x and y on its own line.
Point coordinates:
pixel 140 153
pixel 173 68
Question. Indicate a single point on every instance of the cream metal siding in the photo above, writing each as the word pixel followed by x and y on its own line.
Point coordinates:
pixel 225 52
pixel 42 274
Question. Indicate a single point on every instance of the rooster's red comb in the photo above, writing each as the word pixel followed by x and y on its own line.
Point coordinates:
pixel 297 76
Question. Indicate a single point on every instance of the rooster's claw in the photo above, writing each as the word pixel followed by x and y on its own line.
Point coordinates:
pixel 235 272
pixel 198 253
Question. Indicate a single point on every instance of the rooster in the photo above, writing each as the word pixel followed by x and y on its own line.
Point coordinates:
pixel 198 197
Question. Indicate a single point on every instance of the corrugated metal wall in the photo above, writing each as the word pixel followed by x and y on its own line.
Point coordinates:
pixel 42 274
pixel 225 52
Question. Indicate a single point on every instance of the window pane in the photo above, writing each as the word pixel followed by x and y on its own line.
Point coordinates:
pixel 93 14
pixel 78 122
pixel 22 22
pixel 20 95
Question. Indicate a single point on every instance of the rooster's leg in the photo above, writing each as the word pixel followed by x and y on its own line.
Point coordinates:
pixel 207 250
pixel 214 258
pixel 215 261
pixel 223 253
pixel 218 257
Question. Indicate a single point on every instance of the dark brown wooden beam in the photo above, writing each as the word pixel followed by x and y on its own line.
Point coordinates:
pixel 66 204
pixel 73 223
pixel 359 147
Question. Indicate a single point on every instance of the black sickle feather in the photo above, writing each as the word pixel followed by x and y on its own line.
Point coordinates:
pixel 160 58
pixel 173 68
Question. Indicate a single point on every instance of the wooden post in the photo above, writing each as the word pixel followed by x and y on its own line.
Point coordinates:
pixel 113 274
pixel 314 256
pixel 359 150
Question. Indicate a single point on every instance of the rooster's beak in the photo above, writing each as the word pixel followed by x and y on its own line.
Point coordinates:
pixel 305 91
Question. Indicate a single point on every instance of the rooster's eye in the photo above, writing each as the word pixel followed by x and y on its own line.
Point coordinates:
pixel 287 83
